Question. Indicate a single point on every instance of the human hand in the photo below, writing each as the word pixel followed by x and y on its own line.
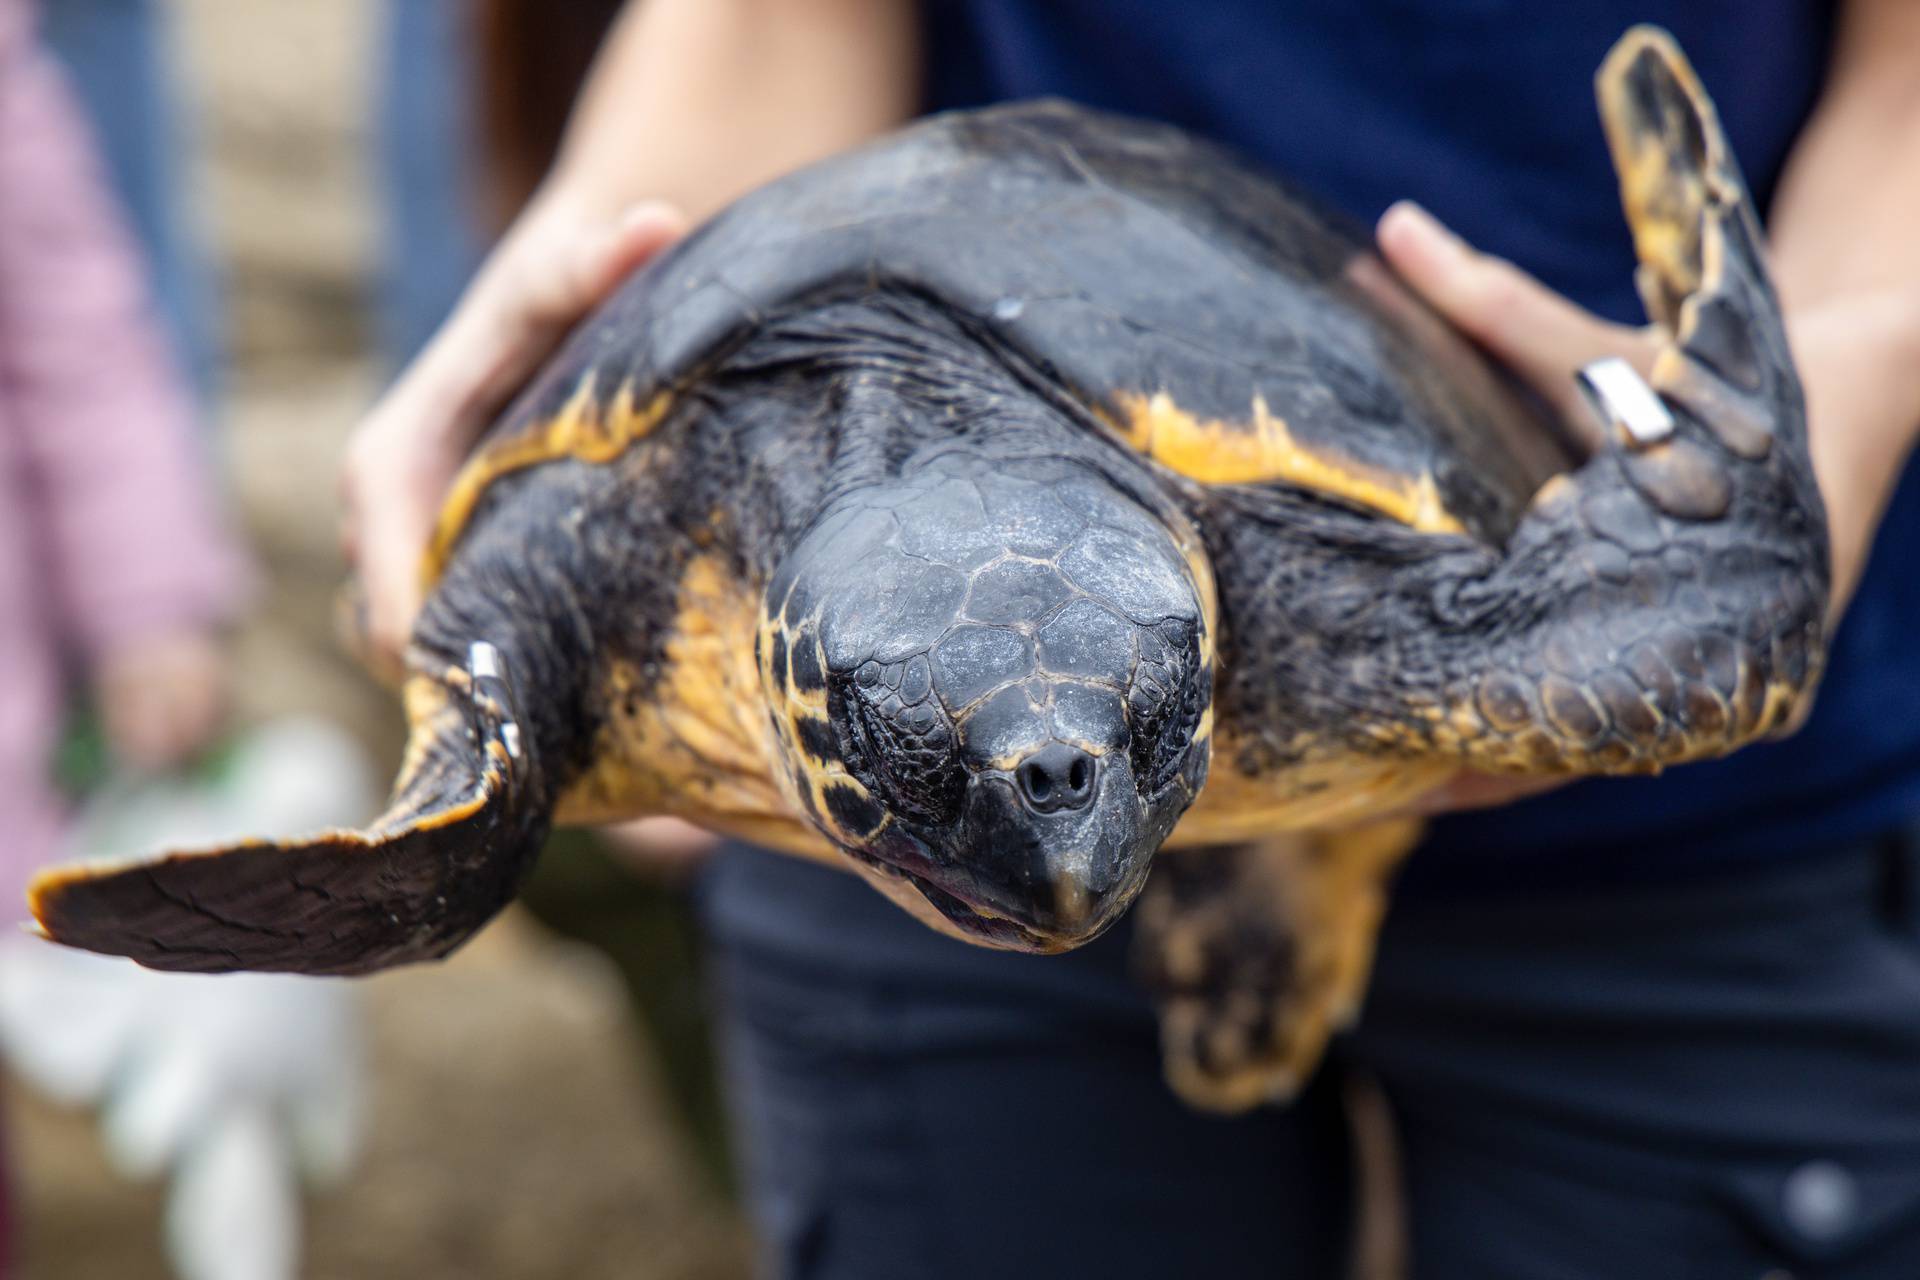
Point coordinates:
pixel 556 265
pixel 1539 335
pixel 161 699
pixel 1858 356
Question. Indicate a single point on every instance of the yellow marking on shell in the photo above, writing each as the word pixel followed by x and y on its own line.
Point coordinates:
pixel 1262 450
pixel 586 428
pixel 696 744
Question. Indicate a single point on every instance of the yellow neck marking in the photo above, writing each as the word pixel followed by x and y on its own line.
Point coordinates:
pixel 696 744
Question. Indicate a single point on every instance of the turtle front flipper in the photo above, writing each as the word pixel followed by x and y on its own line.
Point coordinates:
pixel 1704 280
pixel 468 818
pixel 1258 953
pixel 1666 601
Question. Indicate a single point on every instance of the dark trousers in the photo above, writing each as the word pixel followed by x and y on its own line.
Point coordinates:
pixel 1711 1079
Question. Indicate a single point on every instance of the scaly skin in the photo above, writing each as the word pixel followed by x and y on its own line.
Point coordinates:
pixel 1659 604
pixel 1394 600
pixel 1692 619
pixel 1257 953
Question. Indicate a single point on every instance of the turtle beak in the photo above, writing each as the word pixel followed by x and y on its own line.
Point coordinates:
pixel 1027 868
pixel 1057 844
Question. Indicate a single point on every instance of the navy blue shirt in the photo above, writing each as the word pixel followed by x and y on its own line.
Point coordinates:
pixel 1483 111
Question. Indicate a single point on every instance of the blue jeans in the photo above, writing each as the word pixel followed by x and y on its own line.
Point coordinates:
pixel 117 55
pixel 427 140
pixel 1715 1080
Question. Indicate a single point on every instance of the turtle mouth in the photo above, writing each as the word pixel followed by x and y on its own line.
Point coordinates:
pixel 972 918
pixel 1010 877
pixel 981 922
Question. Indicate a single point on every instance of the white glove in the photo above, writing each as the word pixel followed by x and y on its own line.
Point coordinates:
pixel 238 1085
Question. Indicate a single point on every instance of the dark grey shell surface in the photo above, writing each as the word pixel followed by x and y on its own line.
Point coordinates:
pixel 1121 259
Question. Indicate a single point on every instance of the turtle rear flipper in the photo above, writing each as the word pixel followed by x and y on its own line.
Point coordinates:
pixel 1257 953
pixel 467 821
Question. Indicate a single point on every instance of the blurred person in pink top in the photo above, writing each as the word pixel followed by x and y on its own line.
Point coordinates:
pixel 114 568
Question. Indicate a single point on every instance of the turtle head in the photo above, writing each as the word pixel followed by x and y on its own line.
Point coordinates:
pixel 992 691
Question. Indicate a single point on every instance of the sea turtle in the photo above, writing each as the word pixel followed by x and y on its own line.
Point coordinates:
pixel 988 507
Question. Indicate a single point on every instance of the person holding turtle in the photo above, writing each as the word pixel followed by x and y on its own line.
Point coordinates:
pixel 1629 1028
pixel 114 566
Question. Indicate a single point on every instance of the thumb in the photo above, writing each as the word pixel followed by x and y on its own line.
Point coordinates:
pixel 602 261
pixel 1536 332
pixel 411 445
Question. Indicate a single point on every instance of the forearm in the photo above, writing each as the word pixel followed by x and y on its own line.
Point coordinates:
pixel 1844 218
pixel 1847 261
pixel 690 103
pixel 696 101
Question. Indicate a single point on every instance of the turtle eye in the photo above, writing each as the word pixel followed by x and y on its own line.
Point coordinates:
pixel 900 743
pixel 1164 703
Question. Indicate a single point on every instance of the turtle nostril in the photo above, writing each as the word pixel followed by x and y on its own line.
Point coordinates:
pixel 1056 777
pixel 1036 783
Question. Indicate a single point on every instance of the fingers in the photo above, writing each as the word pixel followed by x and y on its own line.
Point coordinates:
pixel 1534 331
pixel 601 262
pixel 556 267
pixel 400 460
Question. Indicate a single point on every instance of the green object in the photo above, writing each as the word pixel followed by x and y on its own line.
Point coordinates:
pixel 83 762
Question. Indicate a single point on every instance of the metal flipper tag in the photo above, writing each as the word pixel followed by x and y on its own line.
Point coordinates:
pixel 1624 403
pixel 491 685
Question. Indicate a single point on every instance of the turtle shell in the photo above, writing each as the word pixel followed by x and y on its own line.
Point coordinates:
pixel 609 642
pixel 1202 312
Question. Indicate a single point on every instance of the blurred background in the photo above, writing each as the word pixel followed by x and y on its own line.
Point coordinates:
pixel 312 180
